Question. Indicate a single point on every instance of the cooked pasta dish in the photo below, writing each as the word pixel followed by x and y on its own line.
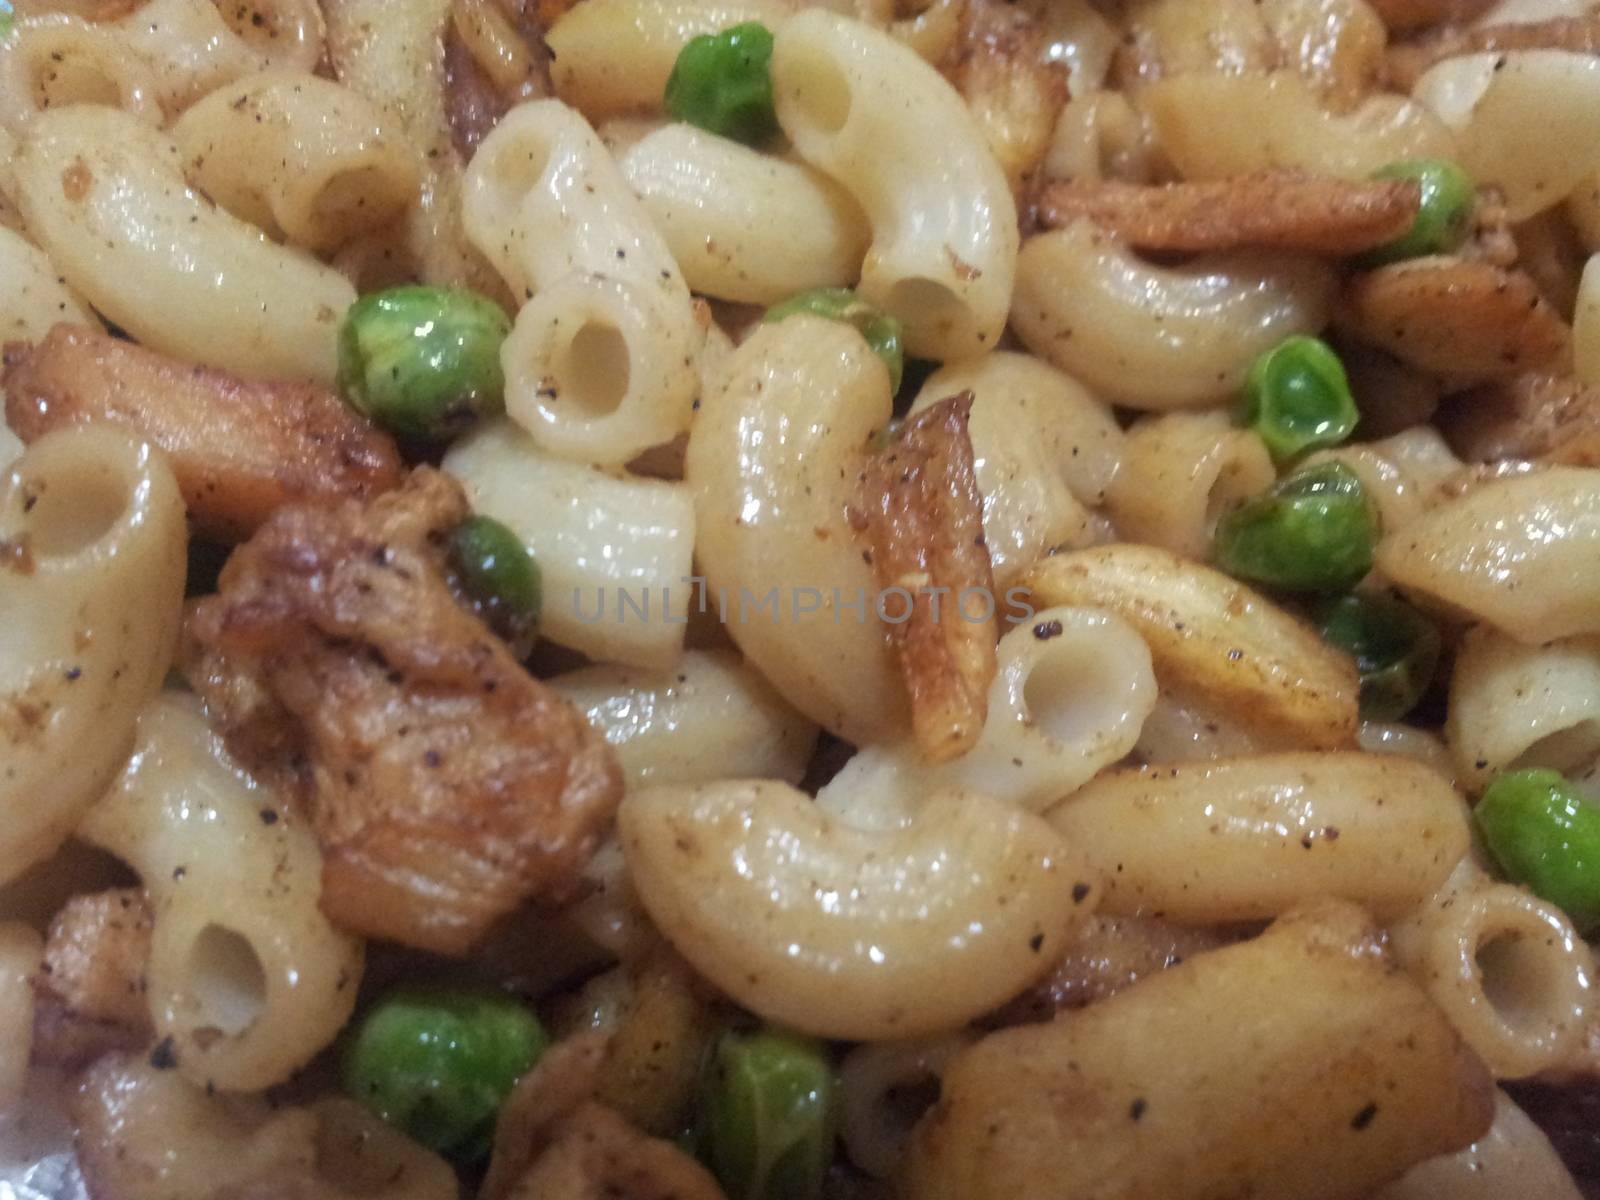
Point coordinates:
pixel 799 599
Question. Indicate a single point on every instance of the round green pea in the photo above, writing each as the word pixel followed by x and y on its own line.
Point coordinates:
pixel 423 362
pixel 1445 214
pixel 1395 647
pixel 1297 397
pixel 498 571
pixel 7 17
pixel 721 82
pixel 1545 835
pixel 882 331
pixel 1313 532
pixel 766 1115
pixel 437 1060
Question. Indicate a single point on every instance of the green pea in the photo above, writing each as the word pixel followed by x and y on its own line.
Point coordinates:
pixel 1445 215
pixel 721 83
pixel 881 330
pixel 1297 397
pixel 1313 532
pixel 437 1060
pixel 1545 835
pixel 6 18
pixel 1395 647
pixel 500 574
pixel 423 362
pixel 766 1116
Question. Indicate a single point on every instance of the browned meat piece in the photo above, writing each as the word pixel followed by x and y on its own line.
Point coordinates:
pixel 1401 15
pixel 923 516
pixel 1466 321
pixel 90 993
pixel 240 448
pixel 1000 67
pixel 445 783
pixel 494 57
pixel 1279 210
pixel 1539 418
pixel 473 104
pixel 1408 60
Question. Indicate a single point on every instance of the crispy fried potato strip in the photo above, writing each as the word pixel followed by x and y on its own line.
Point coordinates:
pixel 1538 418
pixel 1279 210
pixel 1466 321
pixel 923 517
pixel 240 448
pixel 1408 60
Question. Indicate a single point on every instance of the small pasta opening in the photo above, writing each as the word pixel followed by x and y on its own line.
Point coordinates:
pixel 1565 750
pixel 1238 479
pixel 592 370
pixel 516 169
pixel 227 981
pixel 349 201
pixel 928 305
pixel 64 77
pixel 73 507
pixel 1521 974
pixel 822 93
pixel 1075 693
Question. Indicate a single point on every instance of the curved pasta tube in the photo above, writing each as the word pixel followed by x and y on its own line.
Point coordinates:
pixel 34 298
pixel 743 225
pixel 1522 553
pixel 1513 705
pixel 59 60
pixel 105 198
pixel 1216 645
pixel 21 951
pixel 1407 741
pixel 1507 968
pixel 1513 1159
pixel 1071 691
pixel 1493 100
pixel 772 463
pixel 302 158
pixel 246 975
pixel 847 934
pixel 871 1126
pixel 1249 838
pixel 612 57
pixel 1180 474
pixel 194 46
pixel 1043 448
pixel 866 110
pixel 615 552
pixel 601 365
pixel 1160 337
pixel 91 600
pixel 709 717
pixel 1197 123
pixel 1189 729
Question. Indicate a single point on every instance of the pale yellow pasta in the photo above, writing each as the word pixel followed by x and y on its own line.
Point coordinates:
pixel 1193 728
pixel 59 60
pixel 1519 552
pixel 105 198
pixel 246 975
pixel 193 46
pixel 1199 126
pixel 1513 1161
pixel 742 225
pixel 612 57
pixel 1181 473
pixel 1401 474
pixel 1157 337
pixel 772 463
pixel 867 111
pixel 602 362
pixel 1100 135
pixel 1506 967
pixel 614 552
pixel 1249 838
pixel 709 717
pixel 1177 37
pixel 933 29
pixel 1070 694
pixel 88 623
pixel 1079 38
pixel 1586 320
pixel 306 160
pixel 1513 705
pixel 1337 45
pixel 872 1127
pixel 1043 449
pixel 34 297
pixel 21 950
pixel 850 934
pixel 1492 101
pixel 1407 741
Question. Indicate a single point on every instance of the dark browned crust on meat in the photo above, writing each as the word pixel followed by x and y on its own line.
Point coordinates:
pixel 240 448
pixel 1277 209
pixel 923 516
pixel 1534 418
pixel 445 784
pixel 1408 60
